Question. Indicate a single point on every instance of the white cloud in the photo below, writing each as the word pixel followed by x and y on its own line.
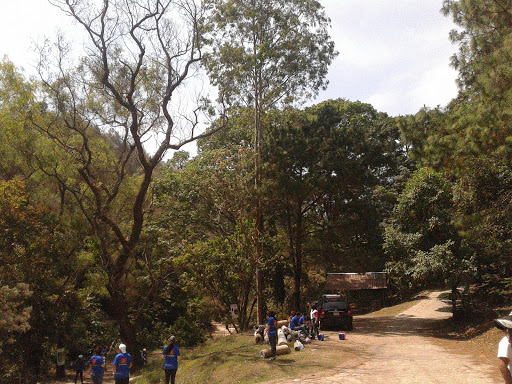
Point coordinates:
pixel 435 87
pixel 393 54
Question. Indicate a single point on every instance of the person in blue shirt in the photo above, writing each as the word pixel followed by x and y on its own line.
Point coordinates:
pixel 79 368
pixel 97 364
pixel 297 324
pixel 171 355
pixel 271 332
pixel 122 364
pixel 294 322
pixel 144 355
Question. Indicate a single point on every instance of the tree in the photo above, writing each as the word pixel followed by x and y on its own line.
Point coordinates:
pixel 130 83
pixel 483 218
pixel 328 163
pixel 469 141
pixel 422 243
pixel 41 279
pixel 205 206
pixel 16 98
pixel 479 119
pixel 268 53
pixel 483 59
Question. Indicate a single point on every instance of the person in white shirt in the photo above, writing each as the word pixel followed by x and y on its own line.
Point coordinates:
pixel 505 348
pixel 314 319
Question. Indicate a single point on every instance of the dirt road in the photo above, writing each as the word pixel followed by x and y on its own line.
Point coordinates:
pixel 396 352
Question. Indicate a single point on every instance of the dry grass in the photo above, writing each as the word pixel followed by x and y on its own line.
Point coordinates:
pixel 390 311
pixel 235 359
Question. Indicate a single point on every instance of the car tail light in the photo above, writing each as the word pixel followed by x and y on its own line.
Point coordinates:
pixel 349 311
pixel 322 313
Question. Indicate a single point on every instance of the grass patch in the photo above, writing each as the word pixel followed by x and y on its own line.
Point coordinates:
pixel 235 359
pixel 395 310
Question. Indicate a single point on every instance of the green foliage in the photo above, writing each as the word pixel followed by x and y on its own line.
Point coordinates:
pixel 37 255
pixel 484 221
pixel 187 332
pixel 16 103
pixel 332 165
pixel 423 245
pixel 267 52
pixel 15 311
pixel 483 60
pixel 203 220
pixel 469 142
pixel 325 163
pixel 330 177
pixel 477 123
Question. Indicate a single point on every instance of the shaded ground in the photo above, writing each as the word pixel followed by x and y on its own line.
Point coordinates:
pixel 403 349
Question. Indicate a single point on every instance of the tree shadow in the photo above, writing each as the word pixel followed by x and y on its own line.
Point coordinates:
pixel 403 325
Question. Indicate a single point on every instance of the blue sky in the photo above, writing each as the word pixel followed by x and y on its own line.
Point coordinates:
pixel 394 54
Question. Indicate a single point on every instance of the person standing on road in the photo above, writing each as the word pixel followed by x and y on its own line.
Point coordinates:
pixel 97 366
pixel 271 332
pixel 505 348
pixel 122 364
pixel 79 368
pixel 171 355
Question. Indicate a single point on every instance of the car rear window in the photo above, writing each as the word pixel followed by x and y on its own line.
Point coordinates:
pixel 332 305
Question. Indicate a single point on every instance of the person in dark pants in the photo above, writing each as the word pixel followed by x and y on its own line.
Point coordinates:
pixel 97 365
pixel 314 320
pixel 297 324
pixel 144 355
pixel 271 332
pixel 79 368
pixel 122 364
pixel 171 355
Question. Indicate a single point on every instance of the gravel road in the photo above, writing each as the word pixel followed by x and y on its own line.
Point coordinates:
pixel 397 352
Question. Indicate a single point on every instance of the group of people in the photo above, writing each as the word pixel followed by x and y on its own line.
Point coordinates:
pixel 123 362
pixel 297 323
pixel 308 328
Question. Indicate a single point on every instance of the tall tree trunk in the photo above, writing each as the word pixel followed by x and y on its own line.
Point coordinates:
pixel 297 268
pixel 259 271
pixel 259 206
pixel 127 330
pixel 279 289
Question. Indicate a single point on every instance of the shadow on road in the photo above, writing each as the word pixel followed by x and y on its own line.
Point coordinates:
pixel 403 325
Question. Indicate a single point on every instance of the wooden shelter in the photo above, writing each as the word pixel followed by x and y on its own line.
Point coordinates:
pixel 366 290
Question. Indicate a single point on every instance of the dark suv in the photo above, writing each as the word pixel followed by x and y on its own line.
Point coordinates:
pixel 335 313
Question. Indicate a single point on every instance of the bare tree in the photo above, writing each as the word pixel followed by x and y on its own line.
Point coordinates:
pixel 133 82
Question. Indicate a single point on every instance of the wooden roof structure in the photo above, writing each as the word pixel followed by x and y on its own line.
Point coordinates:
pixel 341 282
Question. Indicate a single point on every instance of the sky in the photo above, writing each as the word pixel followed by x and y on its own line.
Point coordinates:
pixel 393 54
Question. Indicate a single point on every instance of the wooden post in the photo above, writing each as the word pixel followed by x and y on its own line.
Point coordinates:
pixel 281 350
pixel 280 323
